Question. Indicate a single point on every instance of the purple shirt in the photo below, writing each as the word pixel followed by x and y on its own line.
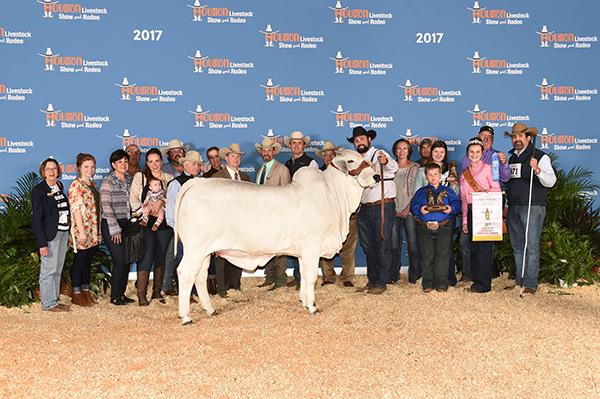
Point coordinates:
pixel 487 158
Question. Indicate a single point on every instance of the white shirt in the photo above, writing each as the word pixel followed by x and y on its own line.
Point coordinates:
pixel 372 194
pixel 233 172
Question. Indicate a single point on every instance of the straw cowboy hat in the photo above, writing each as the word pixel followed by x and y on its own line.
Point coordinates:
pixel 522 128
pixel 174 143
pixel 235 148
pixel 328 146
pixel 296 135
pixel 268 142
pixel 360 131
pixel 191 156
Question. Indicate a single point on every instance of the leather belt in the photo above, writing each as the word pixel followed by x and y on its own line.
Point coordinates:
pixel 385 201
pixel 430 225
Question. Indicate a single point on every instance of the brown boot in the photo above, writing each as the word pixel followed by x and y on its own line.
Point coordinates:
pixel 159 274
pixel 142 287
pixel 87 295
pixel 78 299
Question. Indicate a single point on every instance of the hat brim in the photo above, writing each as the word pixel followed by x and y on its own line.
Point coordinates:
pixel 371 134
pixel 532 131
pixel 183 159
pixel 165 150
pixel 287 140
pixel 223 152
pixel 275 146
pixel 320 152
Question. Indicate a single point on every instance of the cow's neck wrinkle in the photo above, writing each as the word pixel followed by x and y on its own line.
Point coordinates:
pixel 344 195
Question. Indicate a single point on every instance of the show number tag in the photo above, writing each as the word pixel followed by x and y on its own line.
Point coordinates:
pixel 515 170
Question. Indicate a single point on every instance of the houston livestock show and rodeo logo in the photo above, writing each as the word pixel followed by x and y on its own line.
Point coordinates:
pixel 496 65
pixel 360 66
pixel 289 40
pixel 495 15
pixel 143 142
pixel 564 40
pixel 18 94
pixel 203 64
pixel 213 14
pixel 358 16
pixel 564 92
pixel 565 141
pixel 15 38
pixel 495 119
pixel 415 139
pixel 69 63
pixel 146 93
pixel 345 118
pixel 220 119
pixel 72 119
pixel 290 94
pixel 54 9
pixel 9 146
pixel 428 94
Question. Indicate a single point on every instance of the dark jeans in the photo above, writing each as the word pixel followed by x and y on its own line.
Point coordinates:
pixel 481 260
pixel 296 266
pixel 380 253
pixel 465 251
pixel 80 272
pixel 120 269
pixel 407 225
pixel 517 224
pixel 155 248
pixel 451 255
pixel 435 246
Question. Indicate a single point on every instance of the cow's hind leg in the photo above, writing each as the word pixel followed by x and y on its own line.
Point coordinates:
pixel 309 273
pixel 187 272
pixel 201 287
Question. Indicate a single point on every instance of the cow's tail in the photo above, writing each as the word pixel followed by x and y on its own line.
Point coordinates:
pixel 180 196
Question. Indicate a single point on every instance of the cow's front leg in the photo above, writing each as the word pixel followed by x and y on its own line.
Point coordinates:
pixel 201 287
pixel 309 272
pixel 187 272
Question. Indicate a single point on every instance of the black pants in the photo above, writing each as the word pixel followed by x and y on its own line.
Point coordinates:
pixel 120 269
pixel 228 275
pixel 155 248
pixel 482 253
pixel 80 272
pixel 435 248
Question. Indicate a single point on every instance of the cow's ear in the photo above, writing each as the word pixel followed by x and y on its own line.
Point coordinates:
pixel 339 161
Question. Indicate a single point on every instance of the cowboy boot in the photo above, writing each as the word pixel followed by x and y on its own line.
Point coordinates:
pixel 78 299
pixel 87 295
pixel 142 287
pixel 159 274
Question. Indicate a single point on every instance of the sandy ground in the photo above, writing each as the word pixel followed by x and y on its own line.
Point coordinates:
pixel 403 343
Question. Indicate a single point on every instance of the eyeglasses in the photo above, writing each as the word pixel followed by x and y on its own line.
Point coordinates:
pixel 50 169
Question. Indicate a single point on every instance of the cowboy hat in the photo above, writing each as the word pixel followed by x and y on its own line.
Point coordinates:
pixel 235 148
pixel 522 128
pixel 296 135
pixel 191 156
pixel 360 131
pixel 174 143
pixel 328 146
pixel 268 142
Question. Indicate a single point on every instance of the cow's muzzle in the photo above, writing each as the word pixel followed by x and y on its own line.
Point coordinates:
pixel 377 178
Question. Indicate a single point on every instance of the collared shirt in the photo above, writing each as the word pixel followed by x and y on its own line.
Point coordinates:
pixel 482 173
pixel 114 196
pixel 421 198
pixel 372 194
pixel 171 169
pixel 267 170
pixel 172 192
pixel 547 176
pixel 487 158
pixel 233 172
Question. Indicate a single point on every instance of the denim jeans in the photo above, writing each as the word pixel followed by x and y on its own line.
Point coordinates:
pixel 155 248
pixel 296 266
pixel 120 269
pixel 51 269
pixel 465 250
pixel 435 248
pixel 517 220
pixel 170 264
pixel 380 253
pixel 80 272
pixel 407 225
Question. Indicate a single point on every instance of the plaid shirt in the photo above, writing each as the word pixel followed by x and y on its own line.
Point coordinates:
pixel 115 200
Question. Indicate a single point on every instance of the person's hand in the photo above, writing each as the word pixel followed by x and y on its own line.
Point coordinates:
pixel 382 158
pixel 81 238
pixel 534 165
pixel 155 207
pixel 451 179
pixel 502 157
pixel 117 238
pixel 448 209
pixel 424 210
pixel 466 228
pixel 44 252
pixel 404 213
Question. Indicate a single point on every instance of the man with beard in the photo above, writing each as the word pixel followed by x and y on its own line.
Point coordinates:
pixel 272 173
pixel 377 246
pixel 526 158
pixel 173 151
pixel 425 152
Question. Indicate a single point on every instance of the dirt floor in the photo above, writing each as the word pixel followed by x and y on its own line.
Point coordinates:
pixel 403 343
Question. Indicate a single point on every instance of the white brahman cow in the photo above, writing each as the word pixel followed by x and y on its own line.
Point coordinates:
pixel 248 224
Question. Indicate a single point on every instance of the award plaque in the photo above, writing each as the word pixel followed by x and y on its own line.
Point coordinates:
pixel 436 204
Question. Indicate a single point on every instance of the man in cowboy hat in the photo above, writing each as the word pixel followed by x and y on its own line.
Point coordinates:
pixel 376 230
pixel 173 151
pixel 327 153
pixel 191 168
pixel 297 142
pixel 212 153
pixel 229 275
pixel 524 159
pixel 272 173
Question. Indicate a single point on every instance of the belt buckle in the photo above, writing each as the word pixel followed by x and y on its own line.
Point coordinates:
pixel 433 225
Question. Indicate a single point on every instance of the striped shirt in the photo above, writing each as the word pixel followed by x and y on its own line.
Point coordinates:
pixel 63 207
pixel 114 196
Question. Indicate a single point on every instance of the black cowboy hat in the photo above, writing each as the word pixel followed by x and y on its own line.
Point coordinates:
pixel 360 131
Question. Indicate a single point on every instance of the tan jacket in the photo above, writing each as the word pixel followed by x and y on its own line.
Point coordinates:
pixel 279 175
pixel 224 174
pixel 135 195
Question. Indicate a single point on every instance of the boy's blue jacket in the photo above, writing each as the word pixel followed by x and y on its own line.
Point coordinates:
pixel 421 198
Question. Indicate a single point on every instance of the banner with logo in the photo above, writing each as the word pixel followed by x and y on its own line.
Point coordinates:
pixel 487 216
pixel 96 75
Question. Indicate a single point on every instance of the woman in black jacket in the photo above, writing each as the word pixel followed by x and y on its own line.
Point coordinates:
pixel 50 225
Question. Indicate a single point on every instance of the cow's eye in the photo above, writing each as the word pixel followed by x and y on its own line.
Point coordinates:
pixel 350 161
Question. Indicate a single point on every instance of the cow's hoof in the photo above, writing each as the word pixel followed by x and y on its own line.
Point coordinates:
pixel 313 311
pixel 186 322
pixel 214 313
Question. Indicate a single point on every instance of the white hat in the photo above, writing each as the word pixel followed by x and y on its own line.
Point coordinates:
pixel 48 53
pixel 544 82
pixel 476 55
pixel 544 131
pixel 544 29
pixel 339 109
pixel 234 147
pixel 50 109
pixel 191 156
pixel 338 4
pixel 338 56
pixel 476 108
pixel 173 143
pixel 408 133
pixel 328 146
pixel 198 110
pixel 407 84
pixel 296 135
pixel 268 142
pixel 270 133
pixel 476 5
pixel 126 133
pixel 125 83
pixel 196 3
